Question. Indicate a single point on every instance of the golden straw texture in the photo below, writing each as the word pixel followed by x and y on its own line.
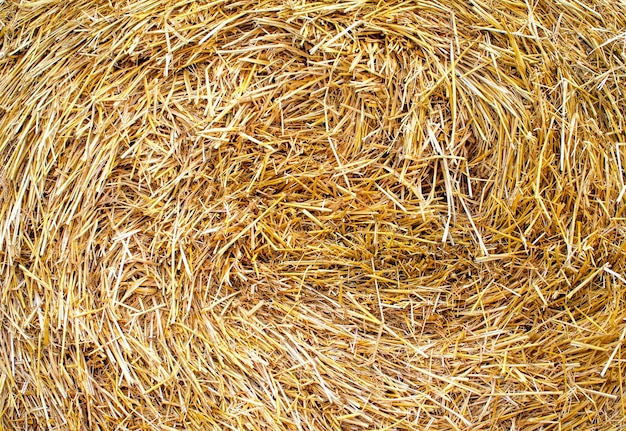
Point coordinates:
pixel 313 215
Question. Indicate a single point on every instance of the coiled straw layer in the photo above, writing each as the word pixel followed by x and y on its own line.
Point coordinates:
pixel 312 215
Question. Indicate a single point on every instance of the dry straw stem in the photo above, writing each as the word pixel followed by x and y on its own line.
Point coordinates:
pixel 312 215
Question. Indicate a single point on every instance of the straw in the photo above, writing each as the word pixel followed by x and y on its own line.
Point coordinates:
pixel 312 215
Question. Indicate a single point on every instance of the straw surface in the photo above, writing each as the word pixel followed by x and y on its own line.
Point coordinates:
pixel 313 215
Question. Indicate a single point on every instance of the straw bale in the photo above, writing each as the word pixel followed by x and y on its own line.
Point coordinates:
pixel 313 215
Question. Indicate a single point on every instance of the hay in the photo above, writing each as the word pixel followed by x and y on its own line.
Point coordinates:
pixel 313 215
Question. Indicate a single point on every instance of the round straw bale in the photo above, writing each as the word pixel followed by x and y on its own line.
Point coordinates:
pixel 312 215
